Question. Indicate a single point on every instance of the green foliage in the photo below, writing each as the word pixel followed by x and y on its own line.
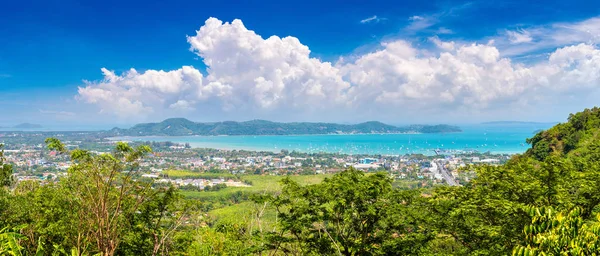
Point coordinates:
pixel 215 187
pixel 9 243
pixel 485 216
pixel 566 137
pixel 348 214
pixel 559 233
pixel 55 144
pixel 105 192
pixel 153 224
pixel 99 208
pixel 6 171
pixel 208 241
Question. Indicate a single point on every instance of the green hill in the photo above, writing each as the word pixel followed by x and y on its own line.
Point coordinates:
pixel 564 138
pixel 182 126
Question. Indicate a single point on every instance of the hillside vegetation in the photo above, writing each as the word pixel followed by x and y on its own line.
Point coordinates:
pixel 572 137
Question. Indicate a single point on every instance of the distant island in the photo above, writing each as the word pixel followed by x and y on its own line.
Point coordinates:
pixel 27 126
pixel 182 127
pixel 517 122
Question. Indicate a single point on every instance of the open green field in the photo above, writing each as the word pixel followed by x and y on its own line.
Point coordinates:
pixel 243 212
pixel 271 183
pixel 260 184
pixel 182 174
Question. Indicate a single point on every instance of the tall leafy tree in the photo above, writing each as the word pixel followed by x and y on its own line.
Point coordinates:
pixel 349 214
pixel 154 225
pixel 104 190
pixel 6 171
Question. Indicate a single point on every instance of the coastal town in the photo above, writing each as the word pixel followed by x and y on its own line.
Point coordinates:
pixel 32 161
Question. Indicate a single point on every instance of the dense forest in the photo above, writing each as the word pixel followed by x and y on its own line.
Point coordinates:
pixel 182 126
pixel 543 202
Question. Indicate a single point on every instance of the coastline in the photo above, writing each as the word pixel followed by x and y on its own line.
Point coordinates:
pixel 262 135
pixel 349 144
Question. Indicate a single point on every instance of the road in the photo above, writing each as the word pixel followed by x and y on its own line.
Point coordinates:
pixel 446 174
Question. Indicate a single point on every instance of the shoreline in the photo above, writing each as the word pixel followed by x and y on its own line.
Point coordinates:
pixel 274 135
pixel 343 149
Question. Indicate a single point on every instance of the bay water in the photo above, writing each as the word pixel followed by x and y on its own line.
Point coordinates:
pixel 503 138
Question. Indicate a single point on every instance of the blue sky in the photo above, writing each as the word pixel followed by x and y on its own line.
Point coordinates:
pixel 358 67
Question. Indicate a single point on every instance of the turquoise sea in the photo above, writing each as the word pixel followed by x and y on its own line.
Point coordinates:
pixel 496 138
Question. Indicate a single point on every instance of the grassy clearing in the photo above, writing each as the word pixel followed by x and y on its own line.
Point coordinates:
pixel 244 212
pixel 260 184
pixel 270 183
pixel 182 174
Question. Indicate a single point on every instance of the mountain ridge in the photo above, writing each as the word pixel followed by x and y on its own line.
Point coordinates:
pixel 27 126
pixel 183 126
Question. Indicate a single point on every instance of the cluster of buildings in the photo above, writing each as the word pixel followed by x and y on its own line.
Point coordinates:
pixel 35 162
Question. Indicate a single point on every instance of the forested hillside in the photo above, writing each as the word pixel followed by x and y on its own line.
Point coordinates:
pixel 543 202
pixel 182 126
pixel 572 137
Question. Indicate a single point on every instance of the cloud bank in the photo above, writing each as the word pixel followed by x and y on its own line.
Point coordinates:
pixel 248 76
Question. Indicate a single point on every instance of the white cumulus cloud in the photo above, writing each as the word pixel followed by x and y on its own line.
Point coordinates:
pixel 139 94
pixel 269 73
pixel 248 76
pixel 472 77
